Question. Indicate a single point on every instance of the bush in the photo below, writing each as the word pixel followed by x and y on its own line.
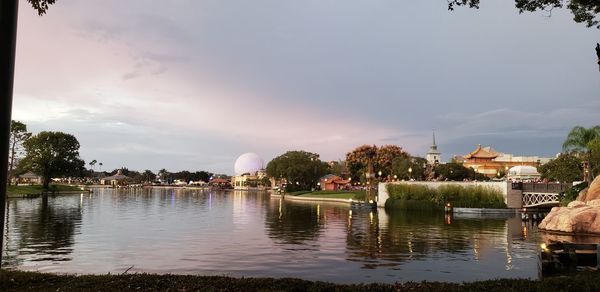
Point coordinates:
pixel 571 194
pixel 458 196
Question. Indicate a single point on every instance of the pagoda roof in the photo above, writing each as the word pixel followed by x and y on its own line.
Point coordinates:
pixel 482 152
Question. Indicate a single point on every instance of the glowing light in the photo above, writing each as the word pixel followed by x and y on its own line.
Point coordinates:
pixel 544 247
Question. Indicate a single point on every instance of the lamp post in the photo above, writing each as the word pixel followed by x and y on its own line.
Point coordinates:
pixel 409 173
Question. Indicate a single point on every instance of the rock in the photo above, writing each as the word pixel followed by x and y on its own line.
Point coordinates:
pixel 582 195
pixel 593 192
pixel 577 217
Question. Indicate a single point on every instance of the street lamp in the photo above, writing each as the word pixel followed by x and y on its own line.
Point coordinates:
pixel 409 173
pixel 395 177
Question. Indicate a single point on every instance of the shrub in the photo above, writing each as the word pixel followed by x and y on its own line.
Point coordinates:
pixel 571 194
pixel 458 196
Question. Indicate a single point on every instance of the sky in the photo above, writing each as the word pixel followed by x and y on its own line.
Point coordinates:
pixel 191 85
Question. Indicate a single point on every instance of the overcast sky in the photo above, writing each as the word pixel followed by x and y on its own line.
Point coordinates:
pixel 193 84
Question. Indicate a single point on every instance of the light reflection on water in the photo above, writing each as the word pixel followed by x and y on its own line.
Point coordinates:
pixel 251 234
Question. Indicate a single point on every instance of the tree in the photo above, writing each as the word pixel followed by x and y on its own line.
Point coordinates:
pixel 100 164
pixel 92 163
pixel 41 6
pixel 594 159
pixel 301 169
pixel 358 159
pixel 382 158
pixel 577 142
pixel 401 165
pixel 457 172
pixel 565 168
pixel 584 11
pixel 385 157
pixel 51 154
pixel 18 135
pixel 149 176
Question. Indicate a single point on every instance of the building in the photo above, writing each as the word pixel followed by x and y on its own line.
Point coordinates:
pixel 433 155
pixel 332 182
pixel 492 163
pixel 118 179
pixel 29 178
pixel 523 172
pixel 249 172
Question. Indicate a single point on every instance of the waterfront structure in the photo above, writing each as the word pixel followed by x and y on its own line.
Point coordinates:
pixel 249 171
pixel 433 156
pixel 118 179
pixel 30 178
pixel 332 182
pixel 523 172
pixel 491 163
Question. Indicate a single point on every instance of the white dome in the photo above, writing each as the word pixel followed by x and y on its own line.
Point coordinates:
pixel 523 171
pixel 248 163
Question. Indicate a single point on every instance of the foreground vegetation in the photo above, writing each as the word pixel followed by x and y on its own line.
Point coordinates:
pixel 32 281
pixel 421 197
pixel 21 191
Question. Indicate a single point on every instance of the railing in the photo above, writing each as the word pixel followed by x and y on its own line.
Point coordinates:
pixel 555 188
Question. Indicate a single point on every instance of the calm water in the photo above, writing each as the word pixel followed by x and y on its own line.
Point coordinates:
pixel 252 234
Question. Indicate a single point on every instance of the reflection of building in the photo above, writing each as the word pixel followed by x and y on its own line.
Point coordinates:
pixel 332 182
pixel 491 163
pixel 249 172
pixel 433 155
pixel 118 179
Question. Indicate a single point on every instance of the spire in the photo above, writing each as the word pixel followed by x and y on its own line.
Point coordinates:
pixel 433 147
pixel 433 137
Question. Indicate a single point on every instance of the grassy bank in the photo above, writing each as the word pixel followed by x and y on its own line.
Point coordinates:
pixel 30 281
pixel 421 197
pixel 20 191
pixel 355 195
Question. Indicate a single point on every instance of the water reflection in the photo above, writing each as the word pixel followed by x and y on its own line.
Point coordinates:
pixel 41 230
pixel 242 233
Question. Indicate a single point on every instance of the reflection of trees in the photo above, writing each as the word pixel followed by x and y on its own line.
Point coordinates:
pixel 413 236
pixel 44 229
pixel 293 223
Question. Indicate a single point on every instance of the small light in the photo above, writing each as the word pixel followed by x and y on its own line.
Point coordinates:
pixel 448 204
pixel 370 201
pixel 350 200
pixel 543 246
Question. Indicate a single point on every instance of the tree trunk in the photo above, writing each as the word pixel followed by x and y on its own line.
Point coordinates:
pixel 12 161
pixel 46 181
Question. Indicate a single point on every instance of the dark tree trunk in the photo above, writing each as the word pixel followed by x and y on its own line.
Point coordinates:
pixel 8 38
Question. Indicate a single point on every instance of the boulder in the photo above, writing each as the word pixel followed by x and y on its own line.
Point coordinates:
pixel 593 191
pixel 577 217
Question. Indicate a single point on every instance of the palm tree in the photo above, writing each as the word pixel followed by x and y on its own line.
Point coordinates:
pixel 100 164
pixel 92 163
pixel 578 142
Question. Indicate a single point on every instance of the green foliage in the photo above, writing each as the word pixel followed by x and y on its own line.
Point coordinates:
pixel 382 159
pixel 301 169
pixel 564 168
pixel 41 6
pixel 458 196
pixel 584 11
pixel 355 195
pixel 578 139
pixel 454 171
pixel 14 280
pixel 401 165
pixel 18 136
pixel 594 156
pixel 52 154
pixel 571 194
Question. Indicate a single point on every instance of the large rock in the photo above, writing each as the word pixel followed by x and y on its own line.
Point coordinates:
pixel 577 217
pixel 593 191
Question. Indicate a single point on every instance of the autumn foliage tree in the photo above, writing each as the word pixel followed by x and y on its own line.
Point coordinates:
pixel 383 157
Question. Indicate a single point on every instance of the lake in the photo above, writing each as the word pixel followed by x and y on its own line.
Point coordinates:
pixel 243 233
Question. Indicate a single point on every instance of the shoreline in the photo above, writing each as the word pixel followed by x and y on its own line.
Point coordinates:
pixel 15 280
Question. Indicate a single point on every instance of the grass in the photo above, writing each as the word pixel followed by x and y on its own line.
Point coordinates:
pixel 430 198
pixel 355 195
pixel 34 281
pixel 20 191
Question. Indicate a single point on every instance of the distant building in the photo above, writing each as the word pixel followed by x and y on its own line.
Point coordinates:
pixel 249 172
pixel 118 179
pixel 491 163
pixel 30 178
pixel 433 155
pixel 333 182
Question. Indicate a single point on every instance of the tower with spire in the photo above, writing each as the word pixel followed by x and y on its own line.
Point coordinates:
pixel 433 155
